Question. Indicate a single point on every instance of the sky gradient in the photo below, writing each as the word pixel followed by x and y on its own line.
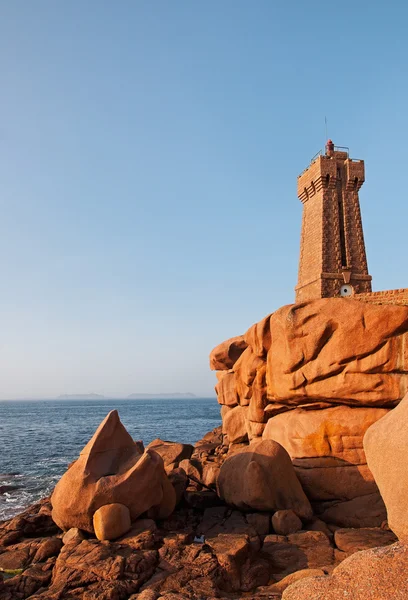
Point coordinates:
pixel 149 152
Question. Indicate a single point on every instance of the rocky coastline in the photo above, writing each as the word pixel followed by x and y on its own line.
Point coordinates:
pixel 299 495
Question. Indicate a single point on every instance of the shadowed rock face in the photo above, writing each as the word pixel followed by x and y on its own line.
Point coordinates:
pixel 111 469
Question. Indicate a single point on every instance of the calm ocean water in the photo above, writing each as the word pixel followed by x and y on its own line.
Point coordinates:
pixel 38 439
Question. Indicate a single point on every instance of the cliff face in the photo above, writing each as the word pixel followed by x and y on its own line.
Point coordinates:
pixel 313 355
pixel 314 377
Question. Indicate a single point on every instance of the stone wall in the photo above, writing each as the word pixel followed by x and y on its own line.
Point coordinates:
pixel 399 296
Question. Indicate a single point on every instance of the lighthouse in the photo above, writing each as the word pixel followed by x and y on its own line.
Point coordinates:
pixel 333 259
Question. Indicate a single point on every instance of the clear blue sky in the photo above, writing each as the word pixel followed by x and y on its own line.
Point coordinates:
pixel 149 151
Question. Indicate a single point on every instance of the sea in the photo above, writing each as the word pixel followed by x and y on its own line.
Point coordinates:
pixel 39 438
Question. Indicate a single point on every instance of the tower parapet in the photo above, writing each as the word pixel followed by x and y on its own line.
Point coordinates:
pixel 333 259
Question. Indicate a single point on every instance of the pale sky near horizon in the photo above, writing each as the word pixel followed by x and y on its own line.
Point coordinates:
pixel 149 152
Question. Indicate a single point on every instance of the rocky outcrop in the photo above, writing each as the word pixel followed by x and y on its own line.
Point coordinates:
pixel 201 550
pixel 337 349
pixel 326 447
pixel 315 355
pixel 172 453
pixel 379 574
pixel 386 447
pixel 226 354
pixel 261 477
pixel 111 470
pixel 314 377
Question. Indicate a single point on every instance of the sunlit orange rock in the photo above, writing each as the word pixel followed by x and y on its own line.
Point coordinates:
pixel 338 349
pixel 261 477
pixel 225 355
pixel 226 389
pixel 386 447
pixel 377 574
pixel 326 447
pixel 111 470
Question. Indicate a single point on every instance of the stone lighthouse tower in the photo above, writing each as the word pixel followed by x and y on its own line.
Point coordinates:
pixel 333 259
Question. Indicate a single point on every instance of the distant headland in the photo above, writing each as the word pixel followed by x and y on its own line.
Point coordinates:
pixel 80 397
pixel 166 396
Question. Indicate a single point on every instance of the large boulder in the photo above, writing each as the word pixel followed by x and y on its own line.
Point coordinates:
pixel 261 477
pixel 235 425
pixel 326 447
pixel 111 470
pixel 377 574
pixel 171 452
pixel 111 521
pixel 225 389
pixel 321 352
pixel 338 349
pixel 386 447
pixel 225 355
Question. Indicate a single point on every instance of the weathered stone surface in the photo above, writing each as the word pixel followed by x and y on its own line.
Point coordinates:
pixel 224 409
pixel 167 504
pixel 231 551
pixel 111 521
pixel 317 524
pixel 281 585
pixel 234 425
pixel 35 521
pixel 179 481
pixel 210 444
pixel 338 349
pixel 322 352
pixel 326 447
pixel 171 452
pixel 261 477
pixel 73 535
pixel 363 511
pixel 19 556
pixel 377 574
pixel 203 471
pixel 354 540
pixel 260 522
pixel 303 550
pixel 225 389
pixel 285 522
pixel 225 355
pixel 190 569
pixel 111 470
pixel 386 446
pixel 245 373
pixel 32 580
pixel 315 544
pixel 258 337
pixel 336 432
pixel 93 569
